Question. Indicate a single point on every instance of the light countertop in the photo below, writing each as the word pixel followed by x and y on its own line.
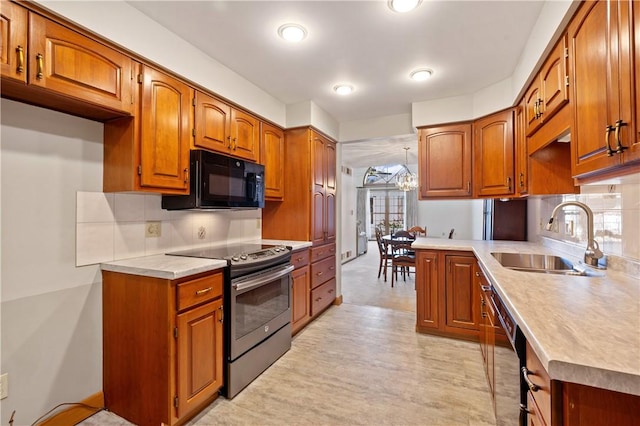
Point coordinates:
pixel 585 330
pixel 174 267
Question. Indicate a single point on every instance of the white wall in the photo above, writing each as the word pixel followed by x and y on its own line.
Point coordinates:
pixel 55 217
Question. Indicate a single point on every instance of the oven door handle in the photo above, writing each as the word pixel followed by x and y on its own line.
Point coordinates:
pixel 261 279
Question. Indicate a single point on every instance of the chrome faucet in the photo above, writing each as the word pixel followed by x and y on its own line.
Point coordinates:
pixel 592 253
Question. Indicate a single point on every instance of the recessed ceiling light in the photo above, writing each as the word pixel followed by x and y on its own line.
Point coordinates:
pixel 292 32
pixel 343 89
pixel 421 74
pixel 403 5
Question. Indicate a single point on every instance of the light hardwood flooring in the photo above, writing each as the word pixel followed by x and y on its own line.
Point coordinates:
pixel 361 363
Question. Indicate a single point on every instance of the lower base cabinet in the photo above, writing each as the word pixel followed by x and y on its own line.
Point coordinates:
pixel 162 346
pixel 446 294
pixel 323 277
pixel 300 290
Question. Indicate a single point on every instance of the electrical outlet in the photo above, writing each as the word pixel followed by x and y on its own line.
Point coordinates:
pixel 4 386
pixel 202 232
pixel 153 229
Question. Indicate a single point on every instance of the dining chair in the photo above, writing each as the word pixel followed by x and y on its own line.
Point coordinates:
pixel 402 257
pixel 417 230
pixel 385 253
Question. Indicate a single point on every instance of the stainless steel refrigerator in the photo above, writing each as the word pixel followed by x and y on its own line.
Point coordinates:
pixel 505 220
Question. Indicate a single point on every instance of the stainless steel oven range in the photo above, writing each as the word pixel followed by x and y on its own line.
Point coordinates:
pixel 257 304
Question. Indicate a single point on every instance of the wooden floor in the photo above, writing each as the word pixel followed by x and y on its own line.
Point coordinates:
pixel 361 363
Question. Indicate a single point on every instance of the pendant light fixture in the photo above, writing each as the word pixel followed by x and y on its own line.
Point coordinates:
pixel 406 180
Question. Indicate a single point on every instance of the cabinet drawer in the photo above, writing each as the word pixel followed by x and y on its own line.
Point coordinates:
pixel 300 258
pixel 194 292
pixel 323 271
pixel 538 375
pixel 321 252
pixel 323 296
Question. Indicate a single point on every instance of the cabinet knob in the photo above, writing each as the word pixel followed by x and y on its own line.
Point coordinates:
pixel 619 148
pixel 607 130
pixel 39 66
pixel 20 54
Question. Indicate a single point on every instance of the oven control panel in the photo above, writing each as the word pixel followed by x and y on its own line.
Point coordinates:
pixel 260 255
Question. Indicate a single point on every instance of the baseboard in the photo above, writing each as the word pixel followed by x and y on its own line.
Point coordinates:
pixel 338 300
pixel 76 413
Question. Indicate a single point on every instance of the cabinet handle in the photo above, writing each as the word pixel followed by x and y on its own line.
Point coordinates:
pixel 484 315
pixel 509 184
pixel 607 131
pixel 186 175
pixel 330 291
pixel 532 386
pixel 203 291
pixel 477 274
pixel 39 66
pixel 319 273
pixel 20 52
pixel 469 187
pixel 221 314
pixel 619 147
pixel 521 180
pixel 299 259
pixel 229 140
pixel 535 109
pixel 485 288
pixel 318 299
pixel 235 144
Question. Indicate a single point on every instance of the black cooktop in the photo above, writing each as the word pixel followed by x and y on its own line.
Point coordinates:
pixel 223 252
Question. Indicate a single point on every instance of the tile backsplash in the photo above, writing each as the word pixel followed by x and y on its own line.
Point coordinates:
pixel 113 226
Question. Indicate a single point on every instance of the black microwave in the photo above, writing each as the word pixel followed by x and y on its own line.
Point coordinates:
pixel 220 182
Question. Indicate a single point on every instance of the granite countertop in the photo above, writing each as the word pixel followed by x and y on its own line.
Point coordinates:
pixel 585 330
pixel 174 267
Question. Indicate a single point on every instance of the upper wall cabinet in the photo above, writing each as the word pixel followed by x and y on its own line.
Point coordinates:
pixel 603 53
pixel 150 152
pixel 549 90
pixel 64 70
pixel 272 156
pixel 224 129
pixel 494 160
pixel 444 161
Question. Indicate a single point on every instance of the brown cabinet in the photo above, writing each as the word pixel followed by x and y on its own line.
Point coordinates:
pixel 445 161
pixel 300 290
pixel 323 277
pixel 445 294
pixel 225 129
pixel 63 69
pixel 162 345
pixel 308 211
pixel 272 157
pixel 494 159
pixel 549 90
pixel 602 39
pixel 14 19
pixel 150 152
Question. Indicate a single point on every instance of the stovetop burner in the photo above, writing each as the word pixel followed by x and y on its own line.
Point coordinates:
pixel 242 257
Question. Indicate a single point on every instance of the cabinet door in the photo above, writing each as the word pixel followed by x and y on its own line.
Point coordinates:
pixel 165 131
pixel 633 153
pixel 330 164
pixel 444 165
pixel 532 101
pixel 66 62
pixel 13 21
pixel 300 298
pixel 272 156
pixel 213 124
pixel 460 293
pixel 427 289
pixel 592 95
pixel 522 155
pixel 554 81
pixel 318 161
pixel 494 155
pixel 317 218
pixel 245 135
pixel 199 357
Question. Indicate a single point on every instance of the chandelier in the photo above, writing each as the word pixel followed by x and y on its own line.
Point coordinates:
pixel 406 180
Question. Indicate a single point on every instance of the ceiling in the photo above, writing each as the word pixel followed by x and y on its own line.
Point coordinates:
pixel 468 44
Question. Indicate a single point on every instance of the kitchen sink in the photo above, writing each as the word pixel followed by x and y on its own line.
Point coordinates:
pixel 544 263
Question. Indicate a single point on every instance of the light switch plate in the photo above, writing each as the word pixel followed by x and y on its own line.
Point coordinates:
pixel 4 385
